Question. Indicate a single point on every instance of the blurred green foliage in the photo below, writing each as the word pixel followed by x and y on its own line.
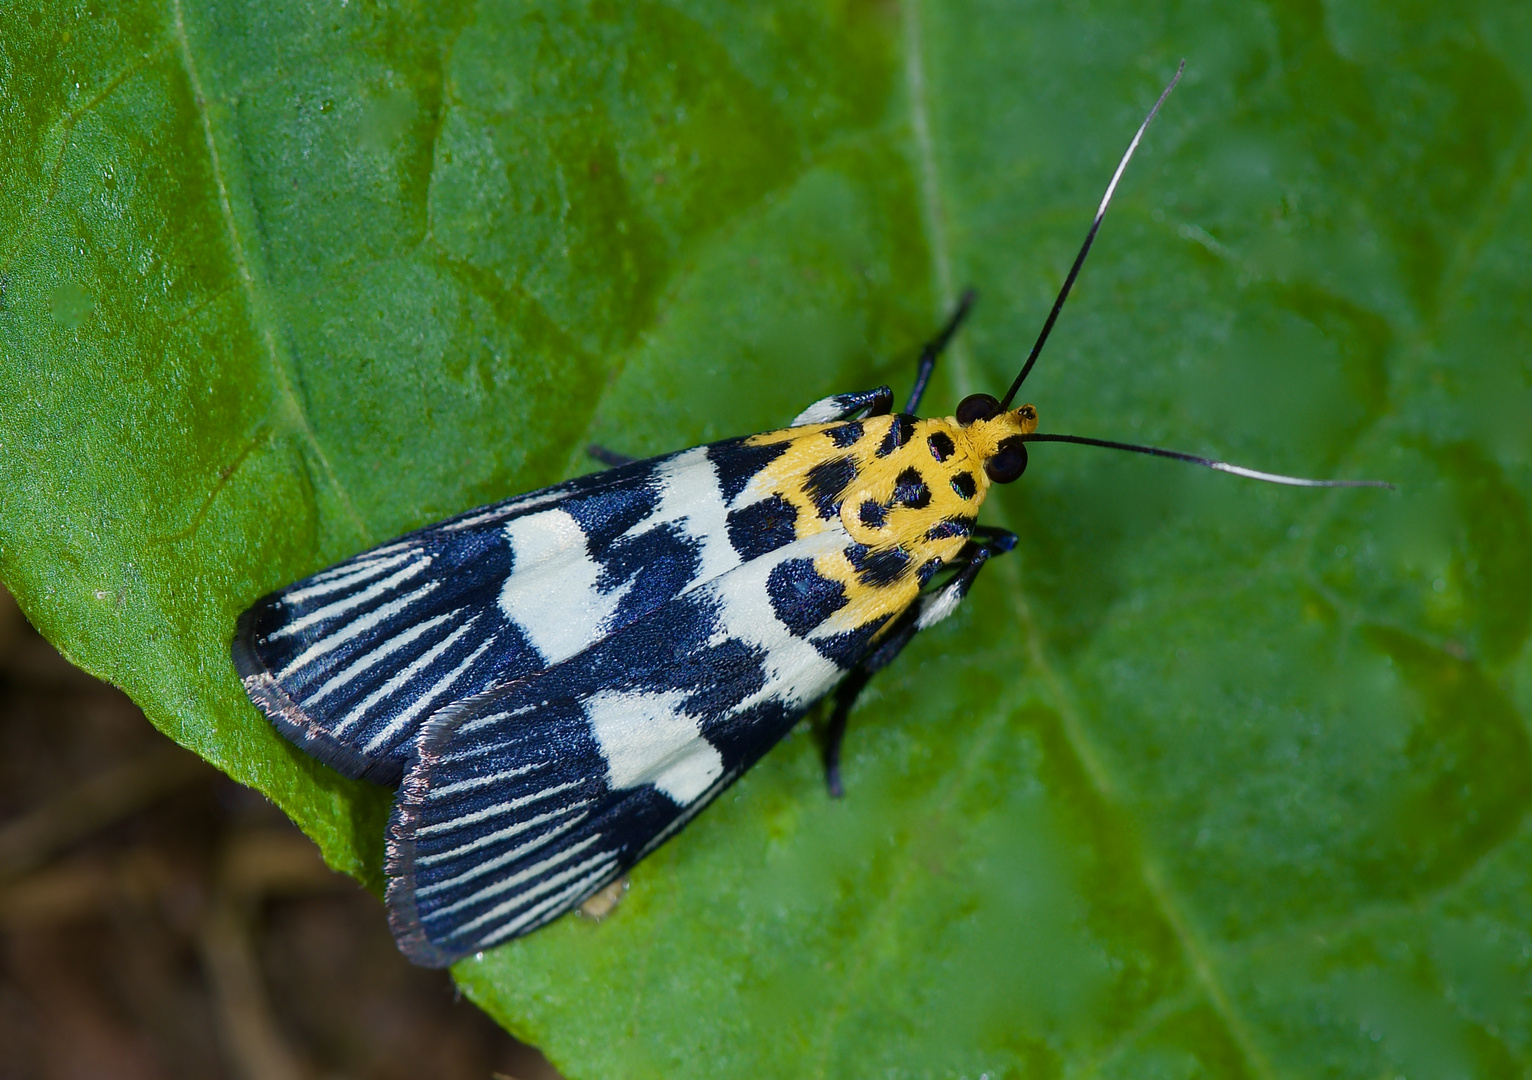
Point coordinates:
pixel 1208 779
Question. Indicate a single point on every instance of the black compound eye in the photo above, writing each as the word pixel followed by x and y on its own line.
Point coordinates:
pixel 976 407
pixel 1008 462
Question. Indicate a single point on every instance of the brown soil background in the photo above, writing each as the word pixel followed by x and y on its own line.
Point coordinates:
pixel 158 920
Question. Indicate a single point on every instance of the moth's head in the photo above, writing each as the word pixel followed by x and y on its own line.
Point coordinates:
pixel 993 435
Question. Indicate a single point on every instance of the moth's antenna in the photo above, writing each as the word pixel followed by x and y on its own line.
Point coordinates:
pixel 1208 463
pixel 1090 237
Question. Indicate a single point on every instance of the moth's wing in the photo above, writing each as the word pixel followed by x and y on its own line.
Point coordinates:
pixel 525 801
pixel 348 663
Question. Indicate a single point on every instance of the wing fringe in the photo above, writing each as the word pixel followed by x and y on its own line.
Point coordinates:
pixel 288 717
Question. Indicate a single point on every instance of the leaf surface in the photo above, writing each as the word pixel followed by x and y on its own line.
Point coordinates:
pixel 1207 779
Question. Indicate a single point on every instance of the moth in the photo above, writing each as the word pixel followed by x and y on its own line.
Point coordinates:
pixel 558 683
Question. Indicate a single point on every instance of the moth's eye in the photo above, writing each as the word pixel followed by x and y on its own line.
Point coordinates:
pixel 1008 462
pixel 976 407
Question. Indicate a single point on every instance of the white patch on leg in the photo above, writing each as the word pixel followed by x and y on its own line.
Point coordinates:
pixel 646 740
pixel 940 605
pixel 551 593
pixel 823 411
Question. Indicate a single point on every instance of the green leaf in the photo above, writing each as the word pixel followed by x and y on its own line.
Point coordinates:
pixel 1207 778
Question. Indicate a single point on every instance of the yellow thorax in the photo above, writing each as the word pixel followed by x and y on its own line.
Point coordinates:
pixel 907 490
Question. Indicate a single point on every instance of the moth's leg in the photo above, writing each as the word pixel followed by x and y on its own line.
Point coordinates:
pixel 852 685
pixel 985 543
pixel 876 402
pixel 935 346
pixel 609 458
pixel 845 697
pixel 998 541
pixel 930 609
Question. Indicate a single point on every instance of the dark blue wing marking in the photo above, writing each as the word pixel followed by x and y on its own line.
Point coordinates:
pixel 521 803
pixel 350 662
pixel 737 463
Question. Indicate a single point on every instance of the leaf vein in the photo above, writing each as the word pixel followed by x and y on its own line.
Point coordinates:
pixel 67 125
pixel 1196 951
pixel 930 186
pixel 289 398
pixel 1193 948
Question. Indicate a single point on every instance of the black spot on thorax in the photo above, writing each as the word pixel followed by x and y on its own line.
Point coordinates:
pixel 950 529
pixel 872 514
pixel 882 566
pixel 940 445
pixel 899 432
pixel 826 483
pixel 910 490
pixel 845 435
pixel 963 484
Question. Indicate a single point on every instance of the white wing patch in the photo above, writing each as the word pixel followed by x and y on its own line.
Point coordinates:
pixel 691 498
pixel 645 739
pixel 796 672
pixel 551 593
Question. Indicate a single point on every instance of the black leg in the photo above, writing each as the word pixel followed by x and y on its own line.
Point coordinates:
pixel 609 458
pixel 838 407
pixel 882 402
pixel 995 541
pixel 845 697
pixel 934 348
pixel 928 610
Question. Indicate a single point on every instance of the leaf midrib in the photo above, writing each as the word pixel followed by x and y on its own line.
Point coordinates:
pixel 260 311
pixel 1195 953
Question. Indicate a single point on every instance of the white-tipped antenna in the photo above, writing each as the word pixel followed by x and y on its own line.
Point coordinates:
pixel 1090 237
pixel 1207 463
pixel 1134 448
